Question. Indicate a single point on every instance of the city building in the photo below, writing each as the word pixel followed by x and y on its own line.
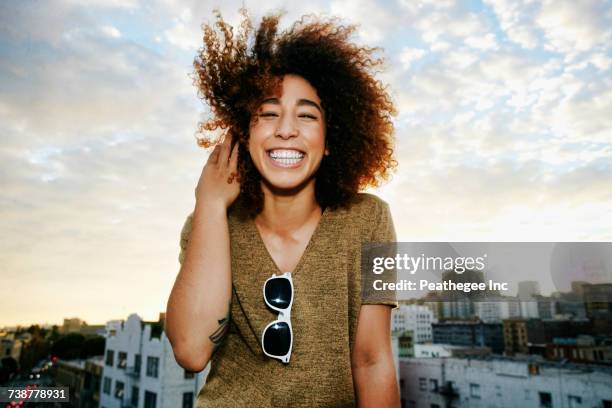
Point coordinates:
pixel 470 334
pixel 415 318
pixel 497 308
pixel 405 344
pixel 529 309
pixel 530 336
pixel 140 369
pixel 501 382
pixel 570 305
pixel 547 307
pixel 528 289
pixel 448 350
pixel 82 377
pixel 578 287
pixel 581 349
pixel 598 301
pixel 11 346
pixel 76 325
pixel 460 308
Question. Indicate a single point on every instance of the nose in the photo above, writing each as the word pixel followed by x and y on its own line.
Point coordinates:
pixel 287 127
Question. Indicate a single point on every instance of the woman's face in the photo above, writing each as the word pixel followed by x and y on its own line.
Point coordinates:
pixel 287 139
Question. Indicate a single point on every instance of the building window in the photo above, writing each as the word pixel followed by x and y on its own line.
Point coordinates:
pixel 134 399
pixel 150 400
pixel 152 366
pixel 422 384
pixel 574 401
pixel 188 374
pixel 137 363
pixel 188 400
pixel 110 356
pixel 545 400
pixel 119 389
pixel 107 386
pixel 433 385
pixel 475 391
pixel 121 359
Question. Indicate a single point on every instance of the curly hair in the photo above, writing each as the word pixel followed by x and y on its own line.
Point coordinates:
pixel 233 74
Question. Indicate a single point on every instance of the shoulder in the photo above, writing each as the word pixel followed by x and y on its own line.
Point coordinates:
pixel 186 228
pixel 185 231
pixel 368 204
pixel 363 214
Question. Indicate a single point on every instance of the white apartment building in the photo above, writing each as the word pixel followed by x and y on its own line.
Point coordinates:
pixel 502 382
pixel 529 309
pixel 434 350
pixel 140 370
pixel 416 318
pixel 494 310
pixel 447 350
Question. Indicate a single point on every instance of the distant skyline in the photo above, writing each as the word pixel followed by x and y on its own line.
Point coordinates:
pixel 503 131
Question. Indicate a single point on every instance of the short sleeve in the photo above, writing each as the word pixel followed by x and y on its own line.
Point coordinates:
pixel 383 231
pixel 185 232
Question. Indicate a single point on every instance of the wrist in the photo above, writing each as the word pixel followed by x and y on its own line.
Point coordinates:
pixel 209 208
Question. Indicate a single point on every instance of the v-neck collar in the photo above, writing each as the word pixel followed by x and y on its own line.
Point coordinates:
pixel 260 242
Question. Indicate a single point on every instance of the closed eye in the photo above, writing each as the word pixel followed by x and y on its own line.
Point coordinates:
pixel 268 114
pixel 306 115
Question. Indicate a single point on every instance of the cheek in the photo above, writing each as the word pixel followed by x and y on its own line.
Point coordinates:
pixel 317 140
pixel 255 139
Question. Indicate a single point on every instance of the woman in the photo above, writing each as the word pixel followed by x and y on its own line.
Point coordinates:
pixel 306 128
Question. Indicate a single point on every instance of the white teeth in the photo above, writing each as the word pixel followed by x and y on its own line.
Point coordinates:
pixel 288 162
pixel 286 154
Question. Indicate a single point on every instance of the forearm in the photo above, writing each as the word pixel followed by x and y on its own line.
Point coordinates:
pixel 376 385
pixel 200 299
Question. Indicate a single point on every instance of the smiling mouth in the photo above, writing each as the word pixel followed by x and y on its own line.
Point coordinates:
pixel 286 157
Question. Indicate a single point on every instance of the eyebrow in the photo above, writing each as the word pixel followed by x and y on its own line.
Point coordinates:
pixel 300 102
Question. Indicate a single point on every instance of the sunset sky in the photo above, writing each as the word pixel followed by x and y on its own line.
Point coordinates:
pixel 504 133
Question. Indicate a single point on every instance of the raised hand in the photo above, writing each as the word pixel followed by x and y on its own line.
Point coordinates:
pixel 219 184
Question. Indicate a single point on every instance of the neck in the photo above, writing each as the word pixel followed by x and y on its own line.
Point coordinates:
pixel 284 212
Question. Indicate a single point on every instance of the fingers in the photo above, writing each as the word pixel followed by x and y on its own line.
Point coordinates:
pixel 233 162
pixel 214 156
pixel 225 150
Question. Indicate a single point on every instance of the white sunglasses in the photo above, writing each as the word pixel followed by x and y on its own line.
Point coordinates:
pixel 277 337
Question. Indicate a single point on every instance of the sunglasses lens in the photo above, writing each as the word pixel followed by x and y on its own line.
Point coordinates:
pixel 277 339
pixel 278 292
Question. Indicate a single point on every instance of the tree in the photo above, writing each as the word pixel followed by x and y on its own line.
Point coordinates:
pixel 68 346
pixel 93 346
pixel 8 367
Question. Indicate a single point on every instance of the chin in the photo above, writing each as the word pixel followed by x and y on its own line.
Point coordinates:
pixel 286 185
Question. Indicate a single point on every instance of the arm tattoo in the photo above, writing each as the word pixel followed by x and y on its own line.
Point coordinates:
pixel 219 334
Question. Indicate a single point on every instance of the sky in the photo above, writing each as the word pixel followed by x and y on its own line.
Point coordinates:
pixel 503 133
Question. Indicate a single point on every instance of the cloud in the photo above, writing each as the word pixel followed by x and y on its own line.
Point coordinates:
pixel 373 19
pixel 516 20
pixel 575 26
pixel 409 55
pixel 111 31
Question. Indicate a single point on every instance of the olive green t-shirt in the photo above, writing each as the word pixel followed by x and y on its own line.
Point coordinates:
pixel 327 299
